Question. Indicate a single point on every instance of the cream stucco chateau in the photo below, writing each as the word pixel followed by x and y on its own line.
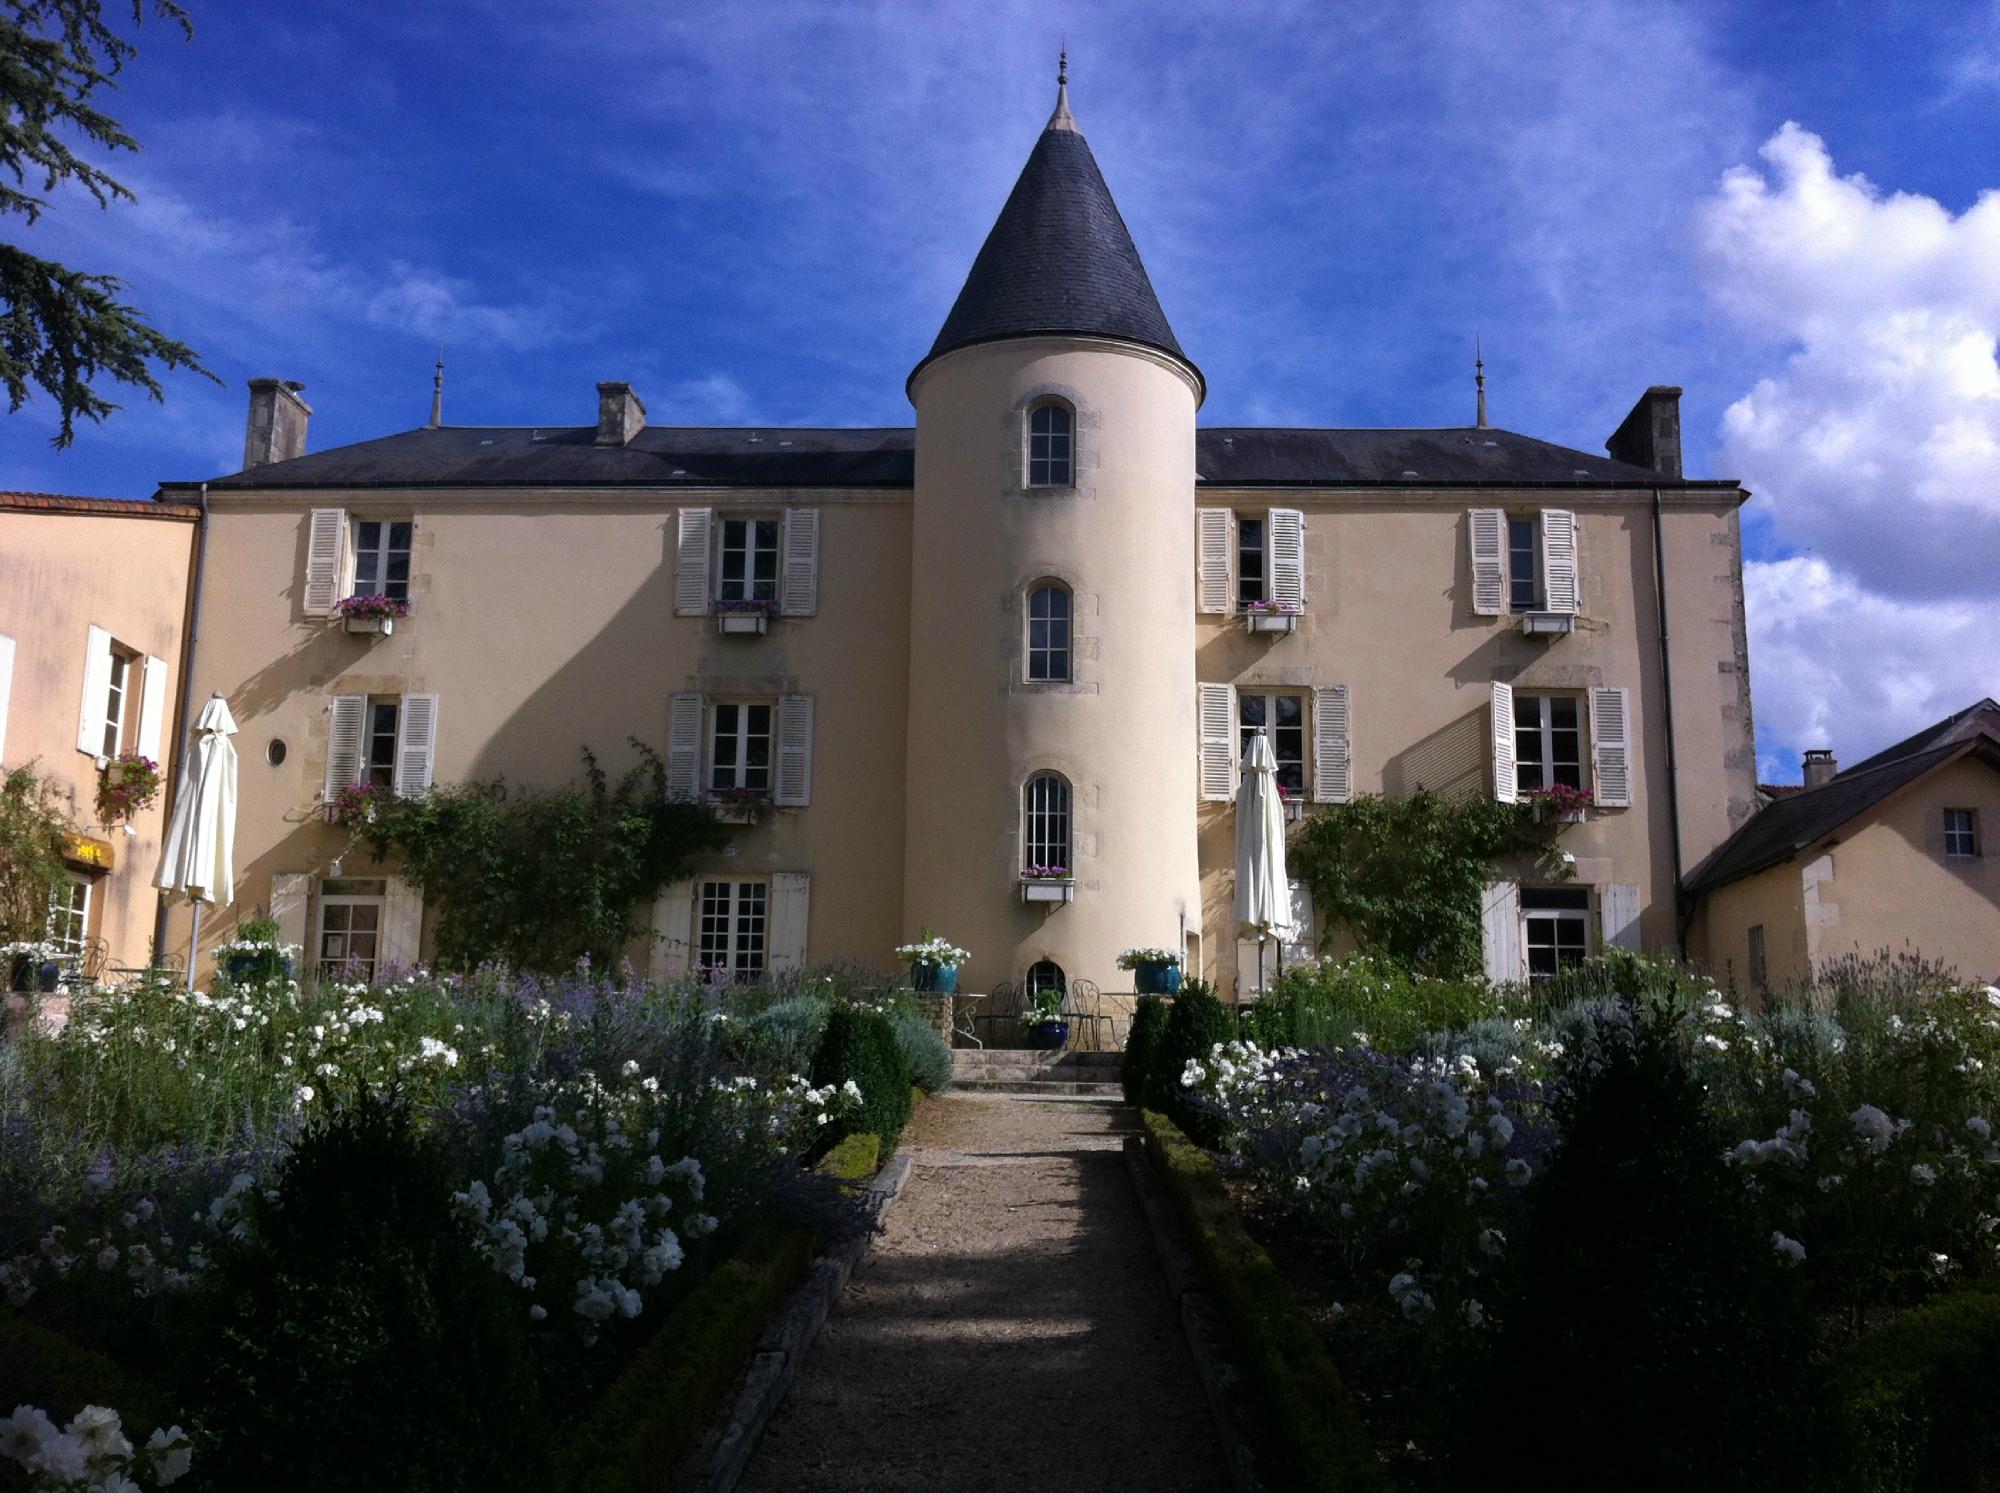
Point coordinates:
pixel 989 675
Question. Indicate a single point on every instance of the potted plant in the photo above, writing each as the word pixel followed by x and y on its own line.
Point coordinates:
pixel 355 805
pixel 1047 884
pixel 1043 1017
pixel 32 966
pixel 1295 807
pixel 739 805
pixel 934 964
pixel 255 953
pixel 746 618
pixel 378 614
pixel 1154 971
pixel 1272 616
pixel 1559 803
pixel 129 784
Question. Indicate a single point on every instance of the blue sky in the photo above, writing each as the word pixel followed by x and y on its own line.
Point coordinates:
pixel 760 214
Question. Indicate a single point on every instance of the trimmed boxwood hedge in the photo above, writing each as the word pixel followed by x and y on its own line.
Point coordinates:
pixel 861 1045
pixel 1196 1022
pixel 1142 1048
pixel 1311 1436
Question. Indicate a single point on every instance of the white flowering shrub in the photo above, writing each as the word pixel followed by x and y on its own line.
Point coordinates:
pixel 91 1453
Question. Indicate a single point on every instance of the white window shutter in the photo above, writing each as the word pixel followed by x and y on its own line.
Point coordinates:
pixel 1287 529
pixel 1218 742
pixel 684 717
pixel 1618 910
pixel 673 931
pixel 1333 761
pixel 326 536
pixel 1213 526
pixel 1611 746
pixel 785 948
pixel 801 562
pixel 691 589
pixel 1506 780
pixel 6 688
pixel 290 892
pixel 153 711
pixel 343 745
pixel 402 925
pixel 1487 530
pixel 1559 584
pixel 96 686
pixel 795 745
pixel 1302 947
pixel 416 745
pixel 1500 931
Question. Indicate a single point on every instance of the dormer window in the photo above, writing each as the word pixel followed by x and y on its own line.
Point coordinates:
pixel 1051 446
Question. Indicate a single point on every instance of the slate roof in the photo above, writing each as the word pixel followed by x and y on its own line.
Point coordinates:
pixel 1971 721
pixel 777 457
pixel 1059 259
pixel 1789 825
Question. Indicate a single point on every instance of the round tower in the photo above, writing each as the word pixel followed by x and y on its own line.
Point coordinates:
pixel 1052 667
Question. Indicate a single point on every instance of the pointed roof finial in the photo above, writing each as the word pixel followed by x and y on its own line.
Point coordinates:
pixel 437 391
pixel 1062 119
pixel 1479 378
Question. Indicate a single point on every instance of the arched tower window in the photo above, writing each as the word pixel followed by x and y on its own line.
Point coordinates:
pixel 1048 632
pixel 1047 975
pixel 1051 445
pixel 1045 823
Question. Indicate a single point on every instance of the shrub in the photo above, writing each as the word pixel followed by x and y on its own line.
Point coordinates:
pixel 1331 1003
pixel 360 1341
pixel 786 1034
pixel 855 1159
pixel 924 1052
pixel 34 830
pixel 1142 1048
pixel 860 1046
pixel 1195 1024
pixel 1653 1305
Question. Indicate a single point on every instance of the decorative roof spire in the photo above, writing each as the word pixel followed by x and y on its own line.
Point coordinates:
pixel 1062 119
pixel 437 391
pixel 1479 378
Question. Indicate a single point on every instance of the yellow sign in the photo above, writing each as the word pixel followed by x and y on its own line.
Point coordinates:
pixel 90 853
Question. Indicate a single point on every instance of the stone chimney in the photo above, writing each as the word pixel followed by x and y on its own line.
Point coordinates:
pixel 1651 434
pixel 277 430
pixel 1820 766
pixel 620 415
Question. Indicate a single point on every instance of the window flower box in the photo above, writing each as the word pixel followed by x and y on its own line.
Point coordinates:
pixel 1271 616
pixel 371 614
pixel 1295 807
pixel 739 805
pixel 1048 884
pixel 744 619
pixel 1560 804
pixel 1547 624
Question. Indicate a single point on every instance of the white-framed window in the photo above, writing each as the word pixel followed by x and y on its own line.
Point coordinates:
pixel 747 559
pixel 1524 565
pixel 118 700
pixel 388 741
pixel 1555 929
pixel 1760 968
pixel 1045 821
pixel 739 747
pixel 1282 713
pixel 381 549
pixel 1051 445
pixel 69 914
pixel 733 928
pixel 1961 832
pixel 1548 741
pixel 348 942
pixel 1252 552
pixel 1049 632
pixel 1046 975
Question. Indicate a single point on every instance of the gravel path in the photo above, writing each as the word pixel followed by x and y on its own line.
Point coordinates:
pixel 1009 1330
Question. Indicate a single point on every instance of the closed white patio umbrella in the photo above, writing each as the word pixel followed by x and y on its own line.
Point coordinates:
pixel 195 860
pixel 1263 891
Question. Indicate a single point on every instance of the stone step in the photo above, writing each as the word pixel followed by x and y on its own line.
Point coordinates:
pixel 1040 1088
pixel 1081 1065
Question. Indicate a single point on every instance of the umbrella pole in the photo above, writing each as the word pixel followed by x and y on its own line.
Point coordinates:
pixel 194 946
pixel 1260 964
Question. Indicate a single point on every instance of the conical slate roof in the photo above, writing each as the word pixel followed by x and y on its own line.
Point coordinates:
pixel 1059 259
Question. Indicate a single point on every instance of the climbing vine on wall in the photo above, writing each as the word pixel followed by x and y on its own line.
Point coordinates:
pixel 1405 875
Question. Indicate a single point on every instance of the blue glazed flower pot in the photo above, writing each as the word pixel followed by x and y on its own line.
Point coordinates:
pixel 241 967
pixel 50 976
pixel 1157 979
pixel 935 979
pixel 1048 1035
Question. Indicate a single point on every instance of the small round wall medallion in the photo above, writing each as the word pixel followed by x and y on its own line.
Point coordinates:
pixel 275 752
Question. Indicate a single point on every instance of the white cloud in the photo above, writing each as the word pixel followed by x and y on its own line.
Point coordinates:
pixel 1873 449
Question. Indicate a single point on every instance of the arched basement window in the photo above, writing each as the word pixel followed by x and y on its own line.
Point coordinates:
pixel 1048 632
pixel 1047 975
pixel 1051 446
pixel 1045 838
